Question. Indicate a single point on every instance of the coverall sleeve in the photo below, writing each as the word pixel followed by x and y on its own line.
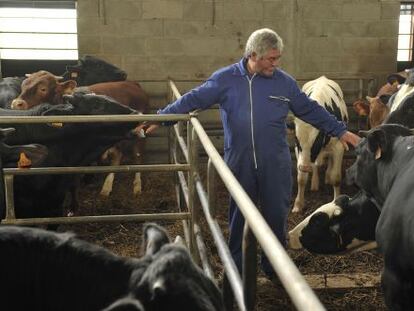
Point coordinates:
pixel 311 112
pixel 200 97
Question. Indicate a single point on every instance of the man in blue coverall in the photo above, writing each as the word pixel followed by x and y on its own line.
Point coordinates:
pixel 255 97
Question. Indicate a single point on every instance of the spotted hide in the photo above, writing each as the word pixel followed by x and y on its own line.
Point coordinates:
pixel 343 225
pixel 384 170
pixel 314 147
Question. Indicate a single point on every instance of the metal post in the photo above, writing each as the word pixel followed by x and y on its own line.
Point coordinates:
pixel 249 267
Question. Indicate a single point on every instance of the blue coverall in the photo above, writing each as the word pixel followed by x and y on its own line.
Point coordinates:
pixel 253 110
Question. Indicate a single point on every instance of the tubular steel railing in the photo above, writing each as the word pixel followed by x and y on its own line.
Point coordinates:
pixel 256 227
pixel 9 173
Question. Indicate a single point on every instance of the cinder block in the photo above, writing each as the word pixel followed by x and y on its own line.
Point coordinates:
pixel 360 11
pixel 122 45
pixel 131 9
pixel 162 9
pixel 89 44
pixel 199 10
pixel 246 9
pixel 315 11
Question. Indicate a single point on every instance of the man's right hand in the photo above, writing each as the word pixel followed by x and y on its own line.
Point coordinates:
pixel 148 127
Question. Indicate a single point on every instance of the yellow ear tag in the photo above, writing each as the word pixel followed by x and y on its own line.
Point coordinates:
pixel 56 124
pixel 378 154
pixel 73 74
pixel 24 161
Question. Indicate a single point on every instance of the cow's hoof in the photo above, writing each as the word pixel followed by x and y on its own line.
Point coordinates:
pixel 70 214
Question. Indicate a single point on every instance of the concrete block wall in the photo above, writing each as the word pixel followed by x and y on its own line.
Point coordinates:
pixel 189 39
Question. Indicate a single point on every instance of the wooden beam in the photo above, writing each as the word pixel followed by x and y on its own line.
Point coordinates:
pixel 338 281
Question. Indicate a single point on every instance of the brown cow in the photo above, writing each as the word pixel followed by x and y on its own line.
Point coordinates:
pixel 43 86
pixel 376 109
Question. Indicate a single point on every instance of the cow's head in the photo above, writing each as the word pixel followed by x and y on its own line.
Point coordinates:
pixel 378 109
pixel 21 156
pixel 168 279
pixel 344 225
pixel 375 148
pixel 404 113
pixel 173 282
pixel 90 70
pixel 42 87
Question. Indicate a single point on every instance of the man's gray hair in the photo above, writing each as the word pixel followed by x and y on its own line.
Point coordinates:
pixel 261 41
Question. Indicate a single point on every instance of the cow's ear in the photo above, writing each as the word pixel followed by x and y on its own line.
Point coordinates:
pixel 154 238
pixel 378 143
pixel 369 98
pixel 66 87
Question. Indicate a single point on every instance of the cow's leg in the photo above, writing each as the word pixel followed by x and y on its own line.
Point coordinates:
pixel 115 155
pixel 138 152
pixel 300 197
pixel 315 177
pixel 397 289
pixel 74 190
pixel 334 169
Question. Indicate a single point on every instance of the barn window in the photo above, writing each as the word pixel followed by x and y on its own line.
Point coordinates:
pixel 39 30
pixel 405 33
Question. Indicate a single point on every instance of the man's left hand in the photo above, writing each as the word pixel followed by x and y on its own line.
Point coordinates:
pixel 349 138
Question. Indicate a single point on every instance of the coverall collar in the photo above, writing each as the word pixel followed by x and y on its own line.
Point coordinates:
pixel 241 70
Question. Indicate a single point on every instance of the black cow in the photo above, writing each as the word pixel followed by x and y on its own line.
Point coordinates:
pixel 10 88
pixel 68 145
pixel 43 270
pixel 344 225
pixel 21 156
pixel 90 70
pixel 384 170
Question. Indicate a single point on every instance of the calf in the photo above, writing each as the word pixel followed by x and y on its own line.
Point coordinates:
pixel 384 170
pixel 43 87
pixel 314 146
pixel 343 225
pixel 57 271
pixel 377 108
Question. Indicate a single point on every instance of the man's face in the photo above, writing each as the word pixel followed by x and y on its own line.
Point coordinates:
pixel 267 64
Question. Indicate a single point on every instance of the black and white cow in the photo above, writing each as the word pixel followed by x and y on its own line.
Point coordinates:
pixel 313 147
pixel 344 225
pixel 401 104
pixel 91 69
pixel 384 170
pixel 43 270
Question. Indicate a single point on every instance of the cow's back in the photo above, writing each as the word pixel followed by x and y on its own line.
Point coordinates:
pixel 128 93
